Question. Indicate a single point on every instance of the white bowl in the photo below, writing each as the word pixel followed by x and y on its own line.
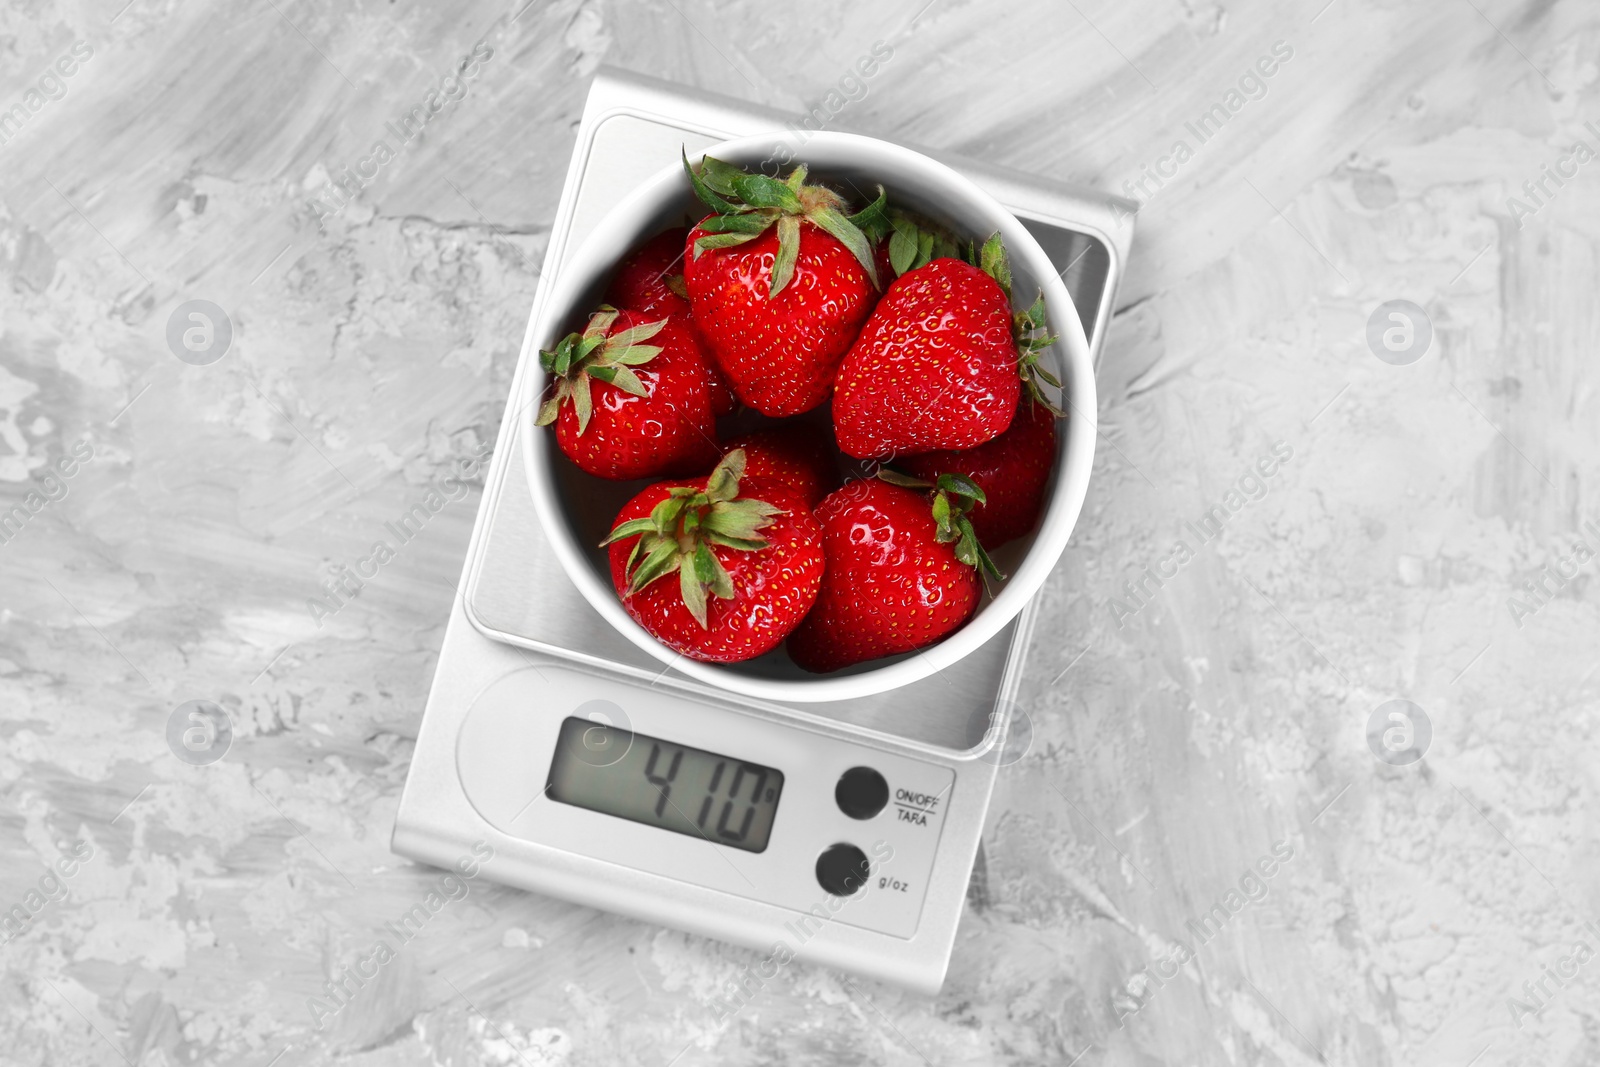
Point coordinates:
pixel 577 510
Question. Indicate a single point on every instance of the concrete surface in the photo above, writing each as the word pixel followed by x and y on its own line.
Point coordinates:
pixel 1186 739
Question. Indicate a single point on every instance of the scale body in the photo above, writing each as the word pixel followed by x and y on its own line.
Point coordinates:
pixel 524 652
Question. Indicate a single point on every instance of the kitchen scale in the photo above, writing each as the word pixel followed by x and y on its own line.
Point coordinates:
pixel 843 832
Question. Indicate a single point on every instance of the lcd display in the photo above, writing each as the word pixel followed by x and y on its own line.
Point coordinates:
pixel 659 783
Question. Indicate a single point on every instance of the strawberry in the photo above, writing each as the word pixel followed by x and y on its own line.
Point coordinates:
pixel 1012 470
pixel 882 262
pixel 751 545
pixel 623 409
pixel 650 281
pixel 794 455
pixel 902 572
pixel 780 281
pixel 939 364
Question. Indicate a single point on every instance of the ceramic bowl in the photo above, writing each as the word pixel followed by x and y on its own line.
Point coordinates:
pixel 577 510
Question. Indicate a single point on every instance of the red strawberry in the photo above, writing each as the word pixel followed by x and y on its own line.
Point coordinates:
pixel 780 281
pixel 758 555
pixel 1012 470
pixel 937 366
pixel 624 409
pixel 794 455
pixel 650 281
pixel 883 263
pixel 901 573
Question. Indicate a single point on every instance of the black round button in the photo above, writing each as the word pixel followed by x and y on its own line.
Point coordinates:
pixel 842 869
pixel 861 792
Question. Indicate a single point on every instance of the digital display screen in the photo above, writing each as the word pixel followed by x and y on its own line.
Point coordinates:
pixel 678 788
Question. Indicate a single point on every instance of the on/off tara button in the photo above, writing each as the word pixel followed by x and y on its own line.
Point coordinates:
pixel 861 792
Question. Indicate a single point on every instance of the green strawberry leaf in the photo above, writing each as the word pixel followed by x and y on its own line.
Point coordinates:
pixel 749 223
pixel 760 191
pixel 665 514
pixel 1031 330
pixel 563 357
pixel 1037 395
pixel 741 519
pixel 627 381
pixel 709 187
pixel 873 220
pixel 845 232
pixel 582 402
pixel 709 570
pixel 694 595
pixel 548 411
pixel 723 483
pixel 635 355
pixel 961 485
pixel 631 528
pixel 915 242
pixel 743 544
pixel 662 560
pixel 721 240
pixel 788 254
pixel 903 250
pixel 956 495
pixel 992 261
pixel 599 323
pixel 970 551
pixel 582 351
pixel 720 176
pixel 894 477
pixel 634 334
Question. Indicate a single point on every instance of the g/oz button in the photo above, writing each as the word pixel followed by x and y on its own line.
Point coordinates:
pixel 842 869
pixel 861 792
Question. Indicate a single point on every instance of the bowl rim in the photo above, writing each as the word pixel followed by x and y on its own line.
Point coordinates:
pixel 1075 447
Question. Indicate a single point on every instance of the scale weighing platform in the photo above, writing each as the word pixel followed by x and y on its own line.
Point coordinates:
pixel 844 831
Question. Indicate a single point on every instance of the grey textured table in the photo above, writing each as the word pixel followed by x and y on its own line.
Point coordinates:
pixel 1356 530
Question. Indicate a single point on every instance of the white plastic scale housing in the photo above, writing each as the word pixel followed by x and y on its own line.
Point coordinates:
pixel 523 651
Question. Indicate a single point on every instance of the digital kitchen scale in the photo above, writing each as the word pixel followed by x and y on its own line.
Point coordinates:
pixel 844 831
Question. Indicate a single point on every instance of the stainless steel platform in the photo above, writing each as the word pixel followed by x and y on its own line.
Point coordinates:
pixel 516 592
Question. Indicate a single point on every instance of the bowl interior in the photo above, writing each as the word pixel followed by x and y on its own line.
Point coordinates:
pixel 588 505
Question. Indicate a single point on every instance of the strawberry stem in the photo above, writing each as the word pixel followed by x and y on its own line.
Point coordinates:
pixel 747 205
pixel 593 353
pixel 905 481
pixel 679 533
pixel 994 262
pixel 1031 329
pixel 954 496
